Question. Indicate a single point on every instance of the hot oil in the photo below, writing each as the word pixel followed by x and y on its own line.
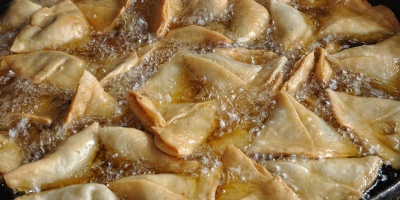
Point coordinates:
pixel 6 38
pixel 109 167
pixel 239 107
pixel 242 114
pixel 22 96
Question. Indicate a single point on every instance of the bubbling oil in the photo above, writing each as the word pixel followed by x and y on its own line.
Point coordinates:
pixel 242 113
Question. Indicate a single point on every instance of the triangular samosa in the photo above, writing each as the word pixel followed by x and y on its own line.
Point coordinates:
pixel 88 191
pixel 162 13
pixel 18 13
pixel 54 67
pixel 67 162
pixel 250 20
pixel 245 179
pixel 336 178
pixel 91 99
pixel 135 145
pixel 292 28
pixel 375 122
pixel 378 62
pixel 167 186
pixel 293 129
pixel 52 27
pixel 102 14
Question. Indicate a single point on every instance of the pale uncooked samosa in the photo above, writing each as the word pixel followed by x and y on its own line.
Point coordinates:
pixel 67 162
pixel 293 129
pixel 90 191
pixel 52 27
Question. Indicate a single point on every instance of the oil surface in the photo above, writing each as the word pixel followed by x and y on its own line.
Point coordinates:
pixel 243 114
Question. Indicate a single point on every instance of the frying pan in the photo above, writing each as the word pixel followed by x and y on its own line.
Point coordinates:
pixel 387 186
